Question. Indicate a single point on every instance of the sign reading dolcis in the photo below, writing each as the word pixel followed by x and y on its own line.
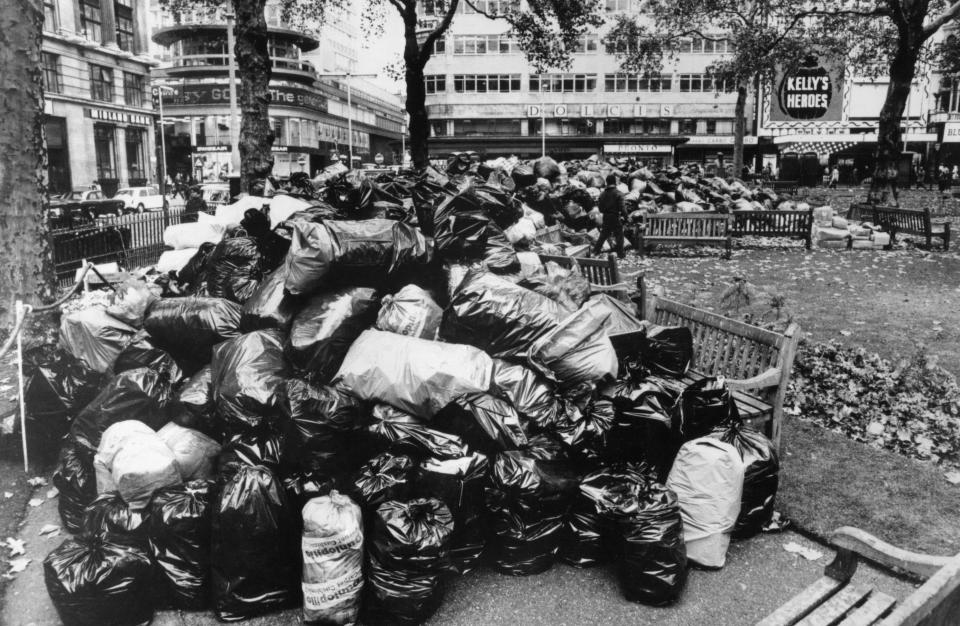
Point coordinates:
pixel 599 110
pixel 220 94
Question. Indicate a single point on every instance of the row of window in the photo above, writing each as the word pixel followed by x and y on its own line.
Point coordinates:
pixel 574 126
pixel 586 44
pixel 574 83
pixel 499 7
pixel 91 21
pixel 101 81
pixel 214 130
pixel 104 147
pixel 696 45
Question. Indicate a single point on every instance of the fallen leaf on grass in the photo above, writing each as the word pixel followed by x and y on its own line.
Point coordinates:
pixel 953 478
pixel 875 428
pixel 53 492
pixel 37 481
pixel 35 501
pixel 846 333
pixel 49 529
pixel 808 553
pixel 17 566
pixel 7 494
pixel 16 546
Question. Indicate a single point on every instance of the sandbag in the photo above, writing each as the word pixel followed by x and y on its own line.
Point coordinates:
pixel 234 269
pixel 188 328
pixel 179 540
pixel 707 477
pixel 761 477
pixel 403 434
pixel 667 350
pixel 416 375
pixel 196 453
pixel 322 332
pixel 75 479
pixel 484 422
pixel 253 563
pixel 533 396
pixel 142 464
pixel 197 401
pixel 385 477
pixel 332 548
pixel 93 582
pixel 94 337
pixel 412 312
pixel 248 373
pixel 324 427
pixel 142 352
pixel 109 517
pixel 407 554
pixel 497 316
pixel 527 500
pixel 703 406
pixel 575 352
pixel 268 306
pixel 138 394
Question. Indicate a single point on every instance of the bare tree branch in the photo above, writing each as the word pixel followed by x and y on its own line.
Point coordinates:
pixel 426 50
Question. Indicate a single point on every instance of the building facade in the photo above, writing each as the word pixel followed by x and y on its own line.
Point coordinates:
pixel 479 84
pixel 308 111
pixel 99 123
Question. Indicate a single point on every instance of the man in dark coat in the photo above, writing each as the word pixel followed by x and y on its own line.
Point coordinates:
pixel 195 205
pixel 611 205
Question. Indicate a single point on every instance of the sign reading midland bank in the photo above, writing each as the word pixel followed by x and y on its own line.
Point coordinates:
pixel 811 92
pixel 189 95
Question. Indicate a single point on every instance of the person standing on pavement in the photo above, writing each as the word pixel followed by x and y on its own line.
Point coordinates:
pixel 834 177
pixel 611 205
pixel 195 205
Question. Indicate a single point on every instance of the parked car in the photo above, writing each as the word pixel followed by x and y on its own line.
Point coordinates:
pixel 87 202
pixel 140 199
pixel 215 194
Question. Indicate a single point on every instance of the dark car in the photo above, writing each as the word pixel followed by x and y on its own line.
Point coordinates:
pixel 87 202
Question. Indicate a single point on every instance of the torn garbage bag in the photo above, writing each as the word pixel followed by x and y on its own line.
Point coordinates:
pixel 188 328
pixel 248 374
pixel 484 422
pixel 761 476
pixel 577 351
pixel 179 541
pixel 412 312
pixel 76 481
pixel 497 316
pixel 93 582
pixel 324 429
pixel 94 337
pixel 416 375
pixel 323 331
pixel 254 566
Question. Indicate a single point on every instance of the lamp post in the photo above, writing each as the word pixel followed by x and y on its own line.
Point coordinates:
pixel 348 76
pixel 232 76
pixel 158 93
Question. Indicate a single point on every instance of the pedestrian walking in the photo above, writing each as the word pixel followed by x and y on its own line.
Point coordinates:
pixel 834 177
pixel 611 205
pixel 195 205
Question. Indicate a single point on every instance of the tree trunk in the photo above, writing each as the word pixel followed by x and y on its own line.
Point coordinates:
pixel 739 128
pixel 253 67
pixel 26 267
pixel 902 69
pixel 416 103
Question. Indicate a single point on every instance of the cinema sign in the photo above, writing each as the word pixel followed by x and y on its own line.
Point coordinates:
pixel 811 92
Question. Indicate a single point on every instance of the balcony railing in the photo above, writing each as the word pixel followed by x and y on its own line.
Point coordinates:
pixel 222 60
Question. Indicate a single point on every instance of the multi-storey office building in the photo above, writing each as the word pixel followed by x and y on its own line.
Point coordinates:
pixel 308 110
pixel 99 121
pixel 479 84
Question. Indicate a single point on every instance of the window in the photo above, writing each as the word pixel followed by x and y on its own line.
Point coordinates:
pixel 614 6
pixel 58 155
pixel 711 127
pixel 90 20
pixel 101 83
pixel 103 145
pixel 438 128
pixel 563 83
pixel 699 45
pixel 484 44
pixel 136 155
pixel 486 83
pixel 51 73
pixel 123 12
pixel 50 22
pixel 435 83
pixel 440 46
pixel 641 126
pixel 565 127
pixel 629 83
pixel 688 127
pixel 586 44
pixel 485 128
pixel 434 7
pixel 279 125
pixel 703 83
pixel 493 7
pixel 133 89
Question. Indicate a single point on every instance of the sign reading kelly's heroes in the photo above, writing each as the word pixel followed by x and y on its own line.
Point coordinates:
pixel 811 92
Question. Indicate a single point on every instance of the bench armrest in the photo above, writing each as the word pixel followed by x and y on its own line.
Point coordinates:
pixel 883 553
pixel 769 378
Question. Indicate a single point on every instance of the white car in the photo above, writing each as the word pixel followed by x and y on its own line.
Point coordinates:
pixel 140 199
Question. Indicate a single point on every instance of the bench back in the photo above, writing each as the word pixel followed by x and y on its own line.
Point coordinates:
pixel 550 234
pixel 892 218
pixel 602 272
pixel 694 225
pixel 773 223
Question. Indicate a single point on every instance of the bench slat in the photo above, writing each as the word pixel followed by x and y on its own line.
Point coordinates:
pixel 873 609
pixel 689 313
pixel 803 603
pixel 831 611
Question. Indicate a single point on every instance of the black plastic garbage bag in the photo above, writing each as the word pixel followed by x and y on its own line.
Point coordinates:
pixel 498 316
pixel 258 446
pixel 460 484
pixel 188 328
pixel 498 254
pixel 76 481
pixel 193 276
pixel 761 479
pixel 667 350
pixel 703 406
pixel 587 433
pixel 57 387
pixel 110 518
pixel 534 397
pixel 248 374
pixel 527 499
pixel 142 352
pixel 179 530
pixel 254 553
pixel 196 397
pixel 323 331
pixel 576 352
pixel 138 394
pixel 643 429
pixel 93 582
pixel 325 427
pixel 234 269
pixel 484 422
pixel 269 306
pixel 546 167
pixel 401 433
pixel 523 175
pixel 409 549
pixel 384 477
pixel 313 249
pixel 581 538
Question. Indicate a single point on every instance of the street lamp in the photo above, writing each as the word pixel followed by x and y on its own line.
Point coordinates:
pixel 348 76
pixel 158 93
pixel 232 74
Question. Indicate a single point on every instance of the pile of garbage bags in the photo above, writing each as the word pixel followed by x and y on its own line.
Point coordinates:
pixel 347 425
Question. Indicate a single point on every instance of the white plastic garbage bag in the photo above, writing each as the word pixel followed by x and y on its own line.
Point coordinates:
pixel 233 213
pixel 283 206
pixel 196 453
pixel 524 229
pixel 707 477
pixel 139 462
pixel 193 234
pixel 332 548
pixel 94 337
pixel 111 442
pixel 411 312
pixel 415 375
pixel 174 260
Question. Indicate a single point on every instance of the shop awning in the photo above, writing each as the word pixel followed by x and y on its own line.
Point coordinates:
pixel 835 142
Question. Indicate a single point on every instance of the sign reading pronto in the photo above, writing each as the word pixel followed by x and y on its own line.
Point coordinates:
pixel 813 91
pixel 637 148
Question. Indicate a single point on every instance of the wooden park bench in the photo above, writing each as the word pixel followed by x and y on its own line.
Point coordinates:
pixel 895 220
pixel 835 599
pixel 785 186
pixel 698 227
pixel 603 274
pixel 791 224
pixel 755 362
